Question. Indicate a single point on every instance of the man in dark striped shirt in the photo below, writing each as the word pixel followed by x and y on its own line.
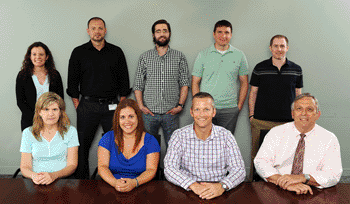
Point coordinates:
pixel 275 83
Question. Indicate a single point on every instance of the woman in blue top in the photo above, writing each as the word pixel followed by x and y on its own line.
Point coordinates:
pixel 127 155
pixel 49 149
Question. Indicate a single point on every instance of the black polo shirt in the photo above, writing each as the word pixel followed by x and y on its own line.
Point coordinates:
pixel 276 90
pixel 95 73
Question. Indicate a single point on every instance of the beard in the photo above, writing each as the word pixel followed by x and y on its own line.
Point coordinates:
pixel 161 44
pixel 98 39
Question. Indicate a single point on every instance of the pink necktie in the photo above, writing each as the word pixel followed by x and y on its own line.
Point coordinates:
pixel 299 156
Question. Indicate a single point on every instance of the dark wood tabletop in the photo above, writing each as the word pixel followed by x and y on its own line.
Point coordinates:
pixel 16 191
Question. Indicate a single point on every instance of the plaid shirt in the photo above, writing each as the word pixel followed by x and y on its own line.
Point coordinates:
pixel 190 159
pixel 160 79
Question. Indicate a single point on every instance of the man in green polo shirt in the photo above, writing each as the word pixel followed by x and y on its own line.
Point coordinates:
pixel 222 71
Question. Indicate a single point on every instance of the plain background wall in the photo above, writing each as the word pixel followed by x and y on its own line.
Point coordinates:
pixel 318 31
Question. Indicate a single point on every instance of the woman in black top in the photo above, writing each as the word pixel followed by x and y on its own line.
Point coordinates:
pixel 38 69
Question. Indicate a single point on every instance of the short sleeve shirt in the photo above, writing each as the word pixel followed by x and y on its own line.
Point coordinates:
pixel 49 156
pixel 219 74
pixel 276 91
pixel 128 168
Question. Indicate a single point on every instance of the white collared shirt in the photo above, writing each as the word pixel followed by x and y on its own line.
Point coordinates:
pixel 322 158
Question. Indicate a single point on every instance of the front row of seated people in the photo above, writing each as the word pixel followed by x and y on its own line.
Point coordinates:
pixel 201 157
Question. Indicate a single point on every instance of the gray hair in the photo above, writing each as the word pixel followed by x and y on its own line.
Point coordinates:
pixel 307 95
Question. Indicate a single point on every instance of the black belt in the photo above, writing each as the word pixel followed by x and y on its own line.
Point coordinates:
pixel 100 100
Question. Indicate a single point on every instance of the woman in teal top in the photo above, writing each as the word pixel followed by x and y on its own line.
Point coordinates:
pixel 49 148
pixel 127 155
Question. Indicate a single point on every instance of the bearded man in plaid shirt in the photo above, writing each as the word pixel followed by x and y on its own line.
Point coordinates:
pixel 204 157
pixel 161 83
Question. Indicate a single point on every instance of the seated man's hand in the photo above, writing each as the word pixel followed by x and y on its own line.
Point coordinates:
pixel 288 179
pixel 300 188
pixel 273 179
pixel 198 188
pixel 213 190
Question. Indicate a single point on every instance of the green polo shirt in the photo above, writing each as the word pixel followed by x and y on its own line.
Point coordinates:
pixel 220 73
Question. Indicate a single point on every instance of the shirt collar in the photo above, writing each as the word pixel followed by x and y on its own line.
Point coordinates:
pixel 91 46
pixel 211 136
pixel 213 49
pixel 155 51
pixel 287 62
pixel 306 134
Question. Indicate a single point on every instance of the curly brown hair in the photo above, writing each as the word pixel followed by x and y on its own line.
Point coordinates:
pixel 28 66
pixel 118 132
pixel 45 100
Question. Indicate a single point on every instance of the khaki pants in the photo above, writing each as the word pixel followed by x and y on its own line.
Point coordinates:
pixel 256 126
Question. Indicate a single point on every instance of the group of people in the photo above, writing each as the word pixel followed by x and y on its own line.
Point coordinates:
pixel 204 156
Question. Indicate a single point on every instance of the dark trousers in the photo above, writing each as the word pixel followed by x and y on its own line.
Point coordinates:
pixel 227 118
pixel 89 115
pixel 25 123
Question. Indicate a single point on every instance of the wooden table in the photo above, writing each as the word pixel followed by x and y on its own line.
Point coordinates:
pixel 18 191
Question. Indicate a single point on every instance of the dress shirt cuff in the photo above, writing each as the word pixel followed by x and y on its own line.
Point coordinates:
pixel 234 181
pixel 185 84
pixel 137 88
pixel 229 184
pixel 266 174
pixel 324 181
pixel 186 184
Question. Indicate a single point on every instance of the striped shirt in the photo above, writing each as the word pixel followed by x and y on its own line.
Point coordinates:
pixel 276 90
pixel 160 79
pixel 190 159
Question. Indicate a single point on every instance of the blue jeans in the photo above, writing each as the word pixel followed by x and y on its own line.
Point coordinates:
pixel 227 118
pixel 168 122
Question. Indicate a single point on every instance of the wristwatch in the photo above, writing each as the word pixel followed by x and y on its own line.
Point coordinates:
pixel 307 177
pixel 224 186
pixel 181 105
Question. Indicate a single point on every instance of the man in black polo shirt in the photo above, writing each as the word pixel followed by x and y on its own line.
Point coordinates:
pixel 98 72
pixel 275 83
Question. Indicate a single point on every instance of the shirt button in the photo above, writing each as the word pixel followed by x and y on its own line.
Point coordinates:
pixel 222 60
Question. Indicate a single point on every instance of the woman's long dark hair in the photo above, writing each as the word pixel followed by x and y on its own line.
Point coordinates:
pixel 28 66
pixel 118 132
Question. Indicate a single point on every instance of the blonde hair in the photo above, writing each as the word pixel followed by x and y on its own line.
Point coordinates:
pixel 43 102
